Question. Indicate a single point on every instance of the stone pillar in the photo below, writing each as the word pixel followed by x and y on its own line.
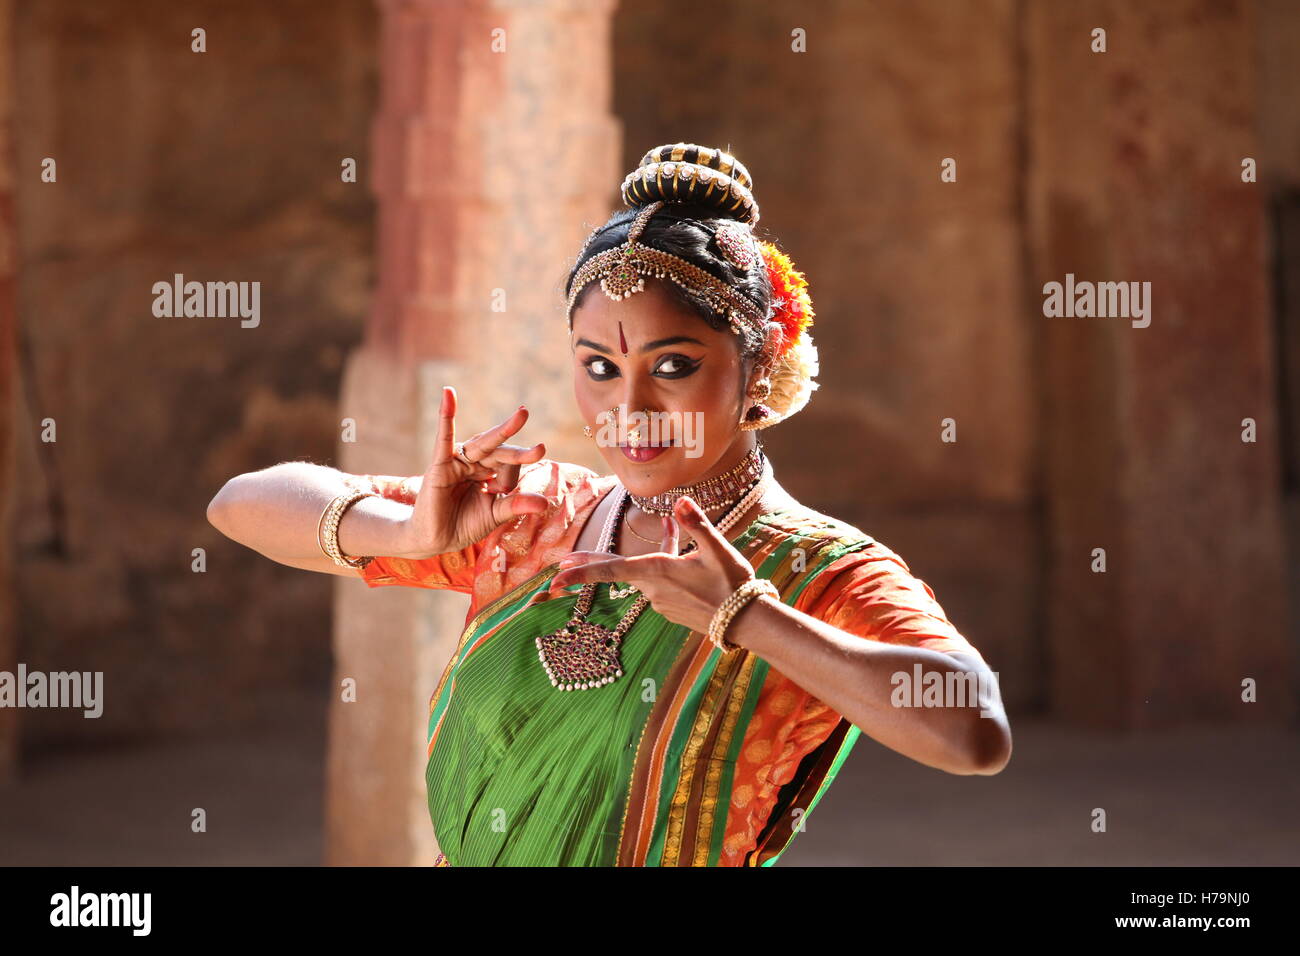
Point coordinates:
pixel 1135 175
pixel 493 150
pixel 8 389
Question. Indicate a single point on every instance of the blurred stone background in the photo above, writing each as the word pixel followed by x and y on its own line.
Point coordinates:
pixel 482 171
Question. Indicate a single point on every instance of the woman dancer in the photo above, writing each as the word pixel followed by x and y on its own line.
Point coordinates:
pixel 665 665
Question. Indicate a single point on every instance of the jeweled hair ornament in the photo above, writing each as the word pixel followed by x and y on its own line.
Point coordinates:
pixel 622 272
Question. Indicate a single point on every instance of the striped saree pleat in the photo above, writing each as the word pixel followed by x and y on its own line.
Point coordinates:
pixel 523 774
pixel 693 826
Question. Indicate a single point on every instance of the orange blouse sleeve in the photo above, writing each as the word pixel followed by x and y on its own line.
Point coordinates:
pixel 509 554
pixel 453 571
pixel 872 592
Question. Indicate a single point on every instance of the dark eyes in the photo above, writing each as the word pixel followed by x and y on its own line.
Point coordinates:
pixel 670 366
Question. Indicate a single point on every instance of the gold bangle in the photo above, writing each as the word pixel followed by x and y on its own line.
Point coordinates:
pixel 321 524
pixel 732 605
pixel 331 519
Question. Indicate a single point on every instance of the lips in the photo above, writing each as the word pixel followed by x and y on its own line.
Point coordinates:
pixel 643 453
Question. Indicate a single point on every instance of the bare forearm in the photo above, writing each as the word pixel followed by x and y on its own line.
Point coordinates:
pixel 856 677
pixel 276 511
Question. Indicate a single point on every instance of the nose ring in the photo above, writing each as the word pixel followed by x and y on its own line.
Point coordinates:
pixel 635 434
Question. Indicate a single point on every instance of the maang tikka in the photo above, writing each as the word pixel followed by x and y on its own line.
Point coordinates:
pixel 622 272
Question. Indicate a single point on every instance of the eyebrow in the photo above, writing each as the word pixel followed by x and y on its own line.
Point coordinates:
pixel 656 344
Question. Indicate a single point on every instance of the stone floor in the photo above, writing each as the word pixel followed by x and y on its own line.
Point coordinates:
pixel 1211 797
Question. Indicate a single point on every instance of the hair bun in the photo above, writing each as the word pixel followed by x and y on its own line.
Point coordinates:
pixel 686 173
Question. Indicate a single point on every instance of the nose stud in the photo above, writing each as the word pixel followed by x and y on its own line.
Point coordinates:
pixel 634 435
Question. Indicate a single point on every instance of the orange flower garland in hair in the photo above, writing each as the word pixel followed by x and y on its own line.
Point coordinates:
pixel 792 306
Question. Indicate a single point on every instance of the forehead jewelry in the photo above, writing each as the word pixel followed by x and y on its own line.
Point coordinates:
pixel 622 272
pixel 736 243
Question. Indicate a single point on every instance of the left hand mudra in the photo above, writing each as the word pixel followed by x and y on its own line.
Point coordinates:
pixel 686 589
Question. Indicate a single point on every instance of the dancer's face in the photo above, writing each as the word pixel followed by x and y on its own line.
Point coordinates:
pixel 675 363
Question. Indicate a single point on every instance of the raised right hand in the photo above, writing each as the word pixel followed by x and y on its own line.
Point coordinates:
pixel 458 504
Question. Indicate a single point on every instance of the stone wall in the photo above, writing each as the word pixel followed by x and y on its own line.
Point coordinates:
pixel 9 726
pixel 917 283
pixel 929 308
pixel 1136 175
pixel 222 165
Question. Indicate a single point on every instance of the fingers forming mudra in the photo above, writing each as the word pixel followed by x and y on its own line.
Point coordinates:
pixel 462 499
pixel 684 586
pixel 486 456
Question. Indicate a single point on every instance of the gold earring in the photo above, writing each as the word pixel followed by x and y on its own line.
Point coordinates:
pixel 758 415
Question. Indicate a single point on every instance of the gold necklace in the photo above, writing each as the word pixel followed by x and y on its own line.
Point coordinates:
pixel 582 655
pixel 711 492
pixel 627 523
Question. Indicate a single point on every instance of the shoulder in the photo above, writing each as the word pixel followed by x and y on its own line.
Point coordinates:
pixel 573 491
pixel 844 545
pixel 797 525
pixel 840 559
pixel 863 586
pixel 571 488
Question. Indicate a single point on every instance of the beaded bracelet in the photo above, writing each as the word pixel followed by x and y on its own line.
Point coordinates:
pixel 732 605
pixel 330 519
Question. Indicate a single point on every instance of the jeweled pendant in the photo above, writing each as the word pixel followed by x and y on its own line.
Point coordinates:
pixel 580 656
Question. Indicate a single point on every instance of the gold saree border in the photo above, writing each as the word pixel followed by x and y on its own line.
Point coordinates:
pixel 707 736
pixel 648 764
pixel 642 805
pixel 694 810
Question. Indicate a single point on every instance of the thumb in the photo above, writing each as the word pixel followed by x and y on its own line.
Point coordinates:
pixel 704 531
pixel 518 503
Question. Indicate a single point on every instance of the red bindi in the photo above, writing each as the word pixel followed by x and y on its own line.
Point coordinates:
pixel 622 342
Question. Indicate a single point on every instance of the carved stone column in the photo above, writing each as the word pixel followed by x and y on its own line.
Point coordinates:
pixel 492 152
